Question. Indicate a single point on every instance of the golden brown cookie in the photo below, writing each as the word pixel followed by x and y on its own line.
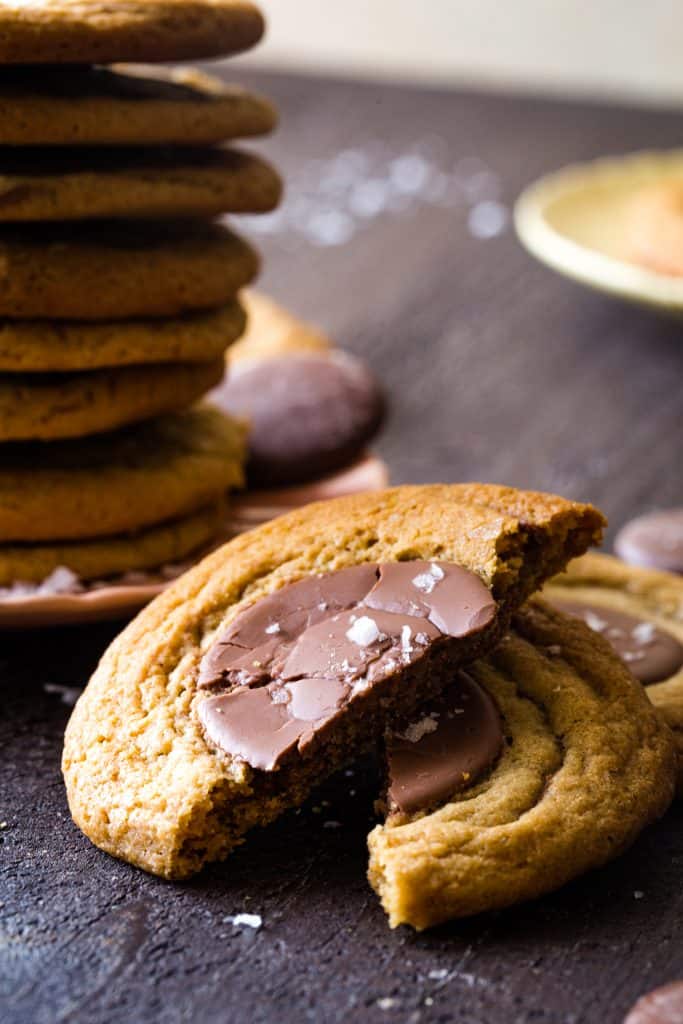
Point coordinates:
pixel 640 611
pixel 120 270
pixel 59 184
pixel 586 765
pixel 125 105
pixel 102 32
pixel 52 345
pixel 145 782
pixel 46 407
pixel 655 227
pixel 121 482
pixel 161 544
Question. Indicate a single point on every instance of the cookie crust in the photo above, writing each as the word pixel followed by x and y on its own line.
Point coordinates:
pixel 58 184
pixel 96 559
pixel 588 765
pixel 143 783
pixel 119 483
pixel 101 32
pixel 46 346
pixel 47 407
pixel 126 105
pixel 120 270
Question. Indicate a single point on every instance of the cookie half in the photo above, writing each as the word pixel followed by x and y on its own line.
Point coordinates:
pixel 45 346
pixel 126 105
pixel 347 590
pixel 48 407
pixel 120 270
pixel 640 612
pixel 656 227
pixel 55 184
pixel 585 765
pixel 101 32
pixel 158 545
pixel 121 482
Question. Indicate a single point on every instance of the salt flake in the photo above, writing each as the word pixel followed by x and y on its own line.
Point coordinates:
pixel 363 632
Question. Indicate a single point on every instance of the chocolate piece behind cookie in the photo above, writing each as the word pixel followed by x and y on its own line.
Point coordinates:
pixel 309 414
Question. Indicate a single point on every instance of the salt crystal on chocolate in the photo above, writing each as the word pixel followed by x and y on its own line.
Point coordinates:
pixel 364 632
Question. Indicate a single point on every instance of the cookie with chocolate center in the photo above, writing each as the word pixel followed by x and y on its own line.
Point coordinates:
pixel 640 612
pixel 125 105
pixel 102 32
pixel 63 183
pixel 287 652
pixel 544 760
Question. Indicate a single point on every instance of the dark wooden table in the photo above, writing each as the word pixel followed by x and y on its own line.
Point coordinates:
pixel 498 370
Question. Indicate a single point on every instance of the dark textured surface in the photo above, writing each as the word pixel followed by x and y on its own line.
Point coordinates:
pixel 499 371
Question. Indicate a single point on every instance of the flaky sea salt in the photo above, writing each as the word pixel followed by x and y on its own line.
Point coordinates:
pixel 426 581
pixel 248 920
pixel 643 633
pixel 594 621
pixel 60 581
pixel 417 730
pixel 363 632
pixel 406 646
pixel 274 627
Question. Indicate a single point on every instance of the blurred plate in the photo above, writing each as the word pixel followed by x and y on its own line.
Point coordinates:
pixel 121 598
pixel 576 221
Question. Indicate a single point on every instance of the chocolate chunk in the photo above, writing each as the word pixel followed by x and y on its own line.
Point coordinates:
pixel 654 541
pixel 662 1006
pixel 290 664
pixel 651 654
pixel 452 745
pixel 309 415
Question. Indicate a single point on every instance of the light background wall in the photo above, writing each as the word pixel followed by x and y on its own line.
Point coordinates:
pixel 604 48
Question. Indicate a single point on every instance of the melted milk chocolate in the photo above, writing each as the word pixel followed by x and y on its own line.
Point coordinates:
pixel 449 748
pixel 651 654
pixel 292 662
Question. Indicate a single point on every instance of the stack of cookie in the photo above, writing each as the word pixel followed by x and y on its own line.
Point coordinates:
pixel 118 290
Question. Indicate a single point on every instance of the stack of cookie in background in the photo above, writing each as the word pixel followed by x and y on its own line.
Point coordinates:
pixel 118 289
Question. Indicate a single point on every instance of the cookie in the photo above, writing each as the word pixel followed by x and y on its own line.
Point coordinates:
pixel 59 184
pixel 385 595
pixel 96 559
pixel 120 270
pixel 655 228
pixel 640 612
pixel 654 540
pixel 126 105
pixel 309 414
pixel 101 32
pixel 662 1006
pixel 47 407
pixel 121 482
pixel 36 346
pixel 585 764
pixel 272 331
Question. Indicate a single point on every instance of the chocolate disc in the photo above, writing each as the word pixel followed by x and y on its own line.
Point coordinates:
pixel 290 665
pixel 449 748
pixel 309 414
pixel 651 654
pixel 662 1006
pixel 654 541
